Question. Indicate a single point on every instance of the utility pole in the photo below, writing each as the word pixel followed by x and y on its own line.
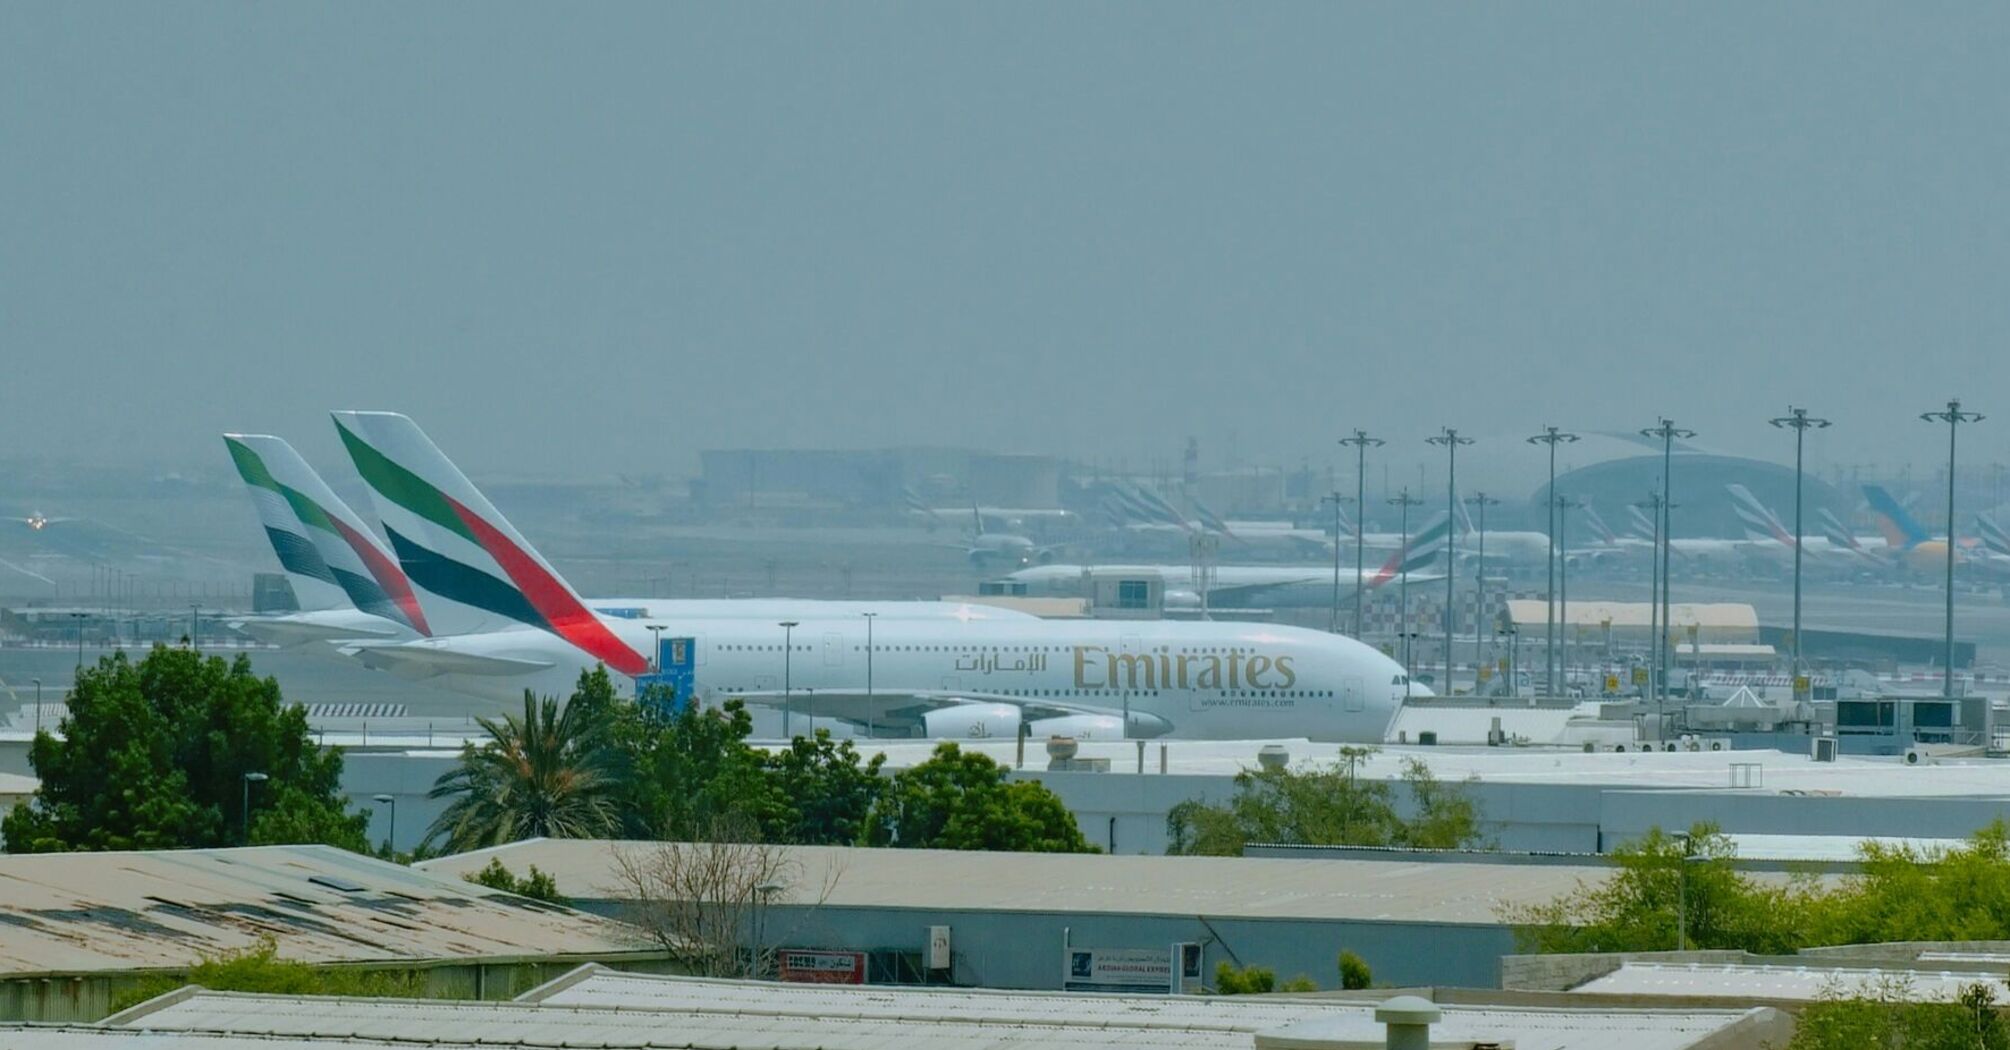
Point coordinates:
pixel 1405 501
pixel 788 655
pixel 1552 437
pixel 1361 443
pixel 1482 501
pixel 1668 432
pixel 1953 417
pixel 1801 422
pixel 869 713
pixel 1335 498
pixel 1564 505
pixel 1451 440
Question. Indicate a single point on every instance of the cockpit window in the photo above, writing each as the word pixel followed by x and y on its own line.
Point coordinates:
pixel 1401 679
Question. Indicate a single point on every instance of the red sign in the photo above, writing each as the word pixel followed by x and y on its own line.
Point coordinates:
pixel 815 966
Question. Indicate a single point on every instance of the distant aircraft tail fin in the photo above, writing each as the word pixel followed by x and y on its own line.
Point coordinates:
pixel 1759 520
pixel 360 563
pixel 1838 534
pixel 480 572
pixel 1598 526
pixel 1423 549
pixel 314 584
pixel 1993 536
pixel 1209 519
pixel 1643 526
pixel 1465 519
pixel 1901 531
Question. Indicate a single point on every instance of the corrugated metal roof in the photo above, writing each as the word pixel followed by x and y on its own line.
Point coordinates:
pixel 1281 888
pixel 1790 983
pixel 82 912
pixel 691 1012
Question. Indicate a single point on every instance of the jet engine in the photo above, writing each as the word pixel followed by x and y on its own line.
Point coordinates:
pixel 972 722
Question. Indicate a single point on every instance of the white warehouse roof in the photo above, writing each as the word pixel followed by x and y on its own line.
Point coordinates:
pixel 689 1012
pixel 1240 887
pixel 1798 983
pixel 166 909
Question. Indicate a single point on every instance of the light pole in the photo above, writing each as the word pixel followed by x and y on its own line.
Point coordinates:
pixel 1333 625
pixel 788 653
pixel 249 779
pixel 1451 440
pixel 1953 417
pixel 195 627
pixel 1405 501
pixel 1653 503
pixel 1482 501
pixel 38 705
pixel 1361 442
pixel 1552 437
pixel 764 893
pixel 1667 431
pixel 869 617
pixel 390 833
pixel 1801 422
pixel 80 617
pixel 1564 505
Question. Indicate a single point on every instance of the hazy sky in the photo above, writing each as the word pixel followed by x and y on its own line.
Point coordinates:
pixel 602 236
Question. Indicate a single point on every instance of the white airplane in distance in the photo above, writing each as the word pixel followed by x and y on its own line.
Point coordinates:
pixel 37 521
pixel 351 587
pixel 1276 586
pixel 518 626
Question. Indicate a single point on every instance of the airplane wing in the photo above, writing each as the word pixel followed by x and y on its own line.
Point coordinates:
pixel 1251 594
pixel 416 660
pixel 907 707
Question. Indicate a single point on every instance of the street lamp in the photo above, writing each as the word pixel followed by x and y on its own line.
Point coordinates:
pixel 1482 501
pixel 1335 498
pixel 38 705
pixel 788 653
pixel 80 617
pixel 195 627
pixel 1564 505
pixel 390 833
pixel 250 779
pixel 1405 501
pixel 1953 417
pixel 869 617
pixel 1451 440
pixel 1361 442
pixel 763 895
pixel 1667 431
pixel 1801 422
pixel 1552 437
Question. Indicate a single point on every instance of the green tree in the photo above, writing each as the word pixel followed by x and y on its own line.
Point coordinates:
pixel 1249 980
pixel 536 885
pixel 549 774
pixel 1884 1015
pixel 1326 806
pixel 1665 882
pixel 963 800
pixel 830 790
pixel 259 969
pixel 153 755
pixel 689 772
pixel 1354 972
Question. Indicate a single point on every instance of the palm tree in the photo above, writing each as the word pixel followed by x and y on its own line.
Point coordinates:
pixel 550 774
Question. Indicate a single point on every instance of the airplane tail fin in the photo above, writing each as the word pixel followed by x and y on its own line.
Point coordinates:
pixel 1993 536
pixel 361 565
pixel 1838 533
pixel 1759 520
pixel 976 520
pixel 314 584
pixel 1423 549
pixel 1465 519
pixel 1599 527
pixel 1643 526
pixel 1899 529
pixel 479 572
pixel 1209 519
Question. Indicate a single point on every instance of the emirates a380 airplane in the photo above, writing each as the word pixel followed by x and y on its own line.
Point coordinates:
pixel 504 621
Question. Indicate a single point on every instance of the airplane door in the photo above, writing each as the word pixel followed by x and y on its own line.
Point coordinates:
pixel 1352 696
pixel 833 650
